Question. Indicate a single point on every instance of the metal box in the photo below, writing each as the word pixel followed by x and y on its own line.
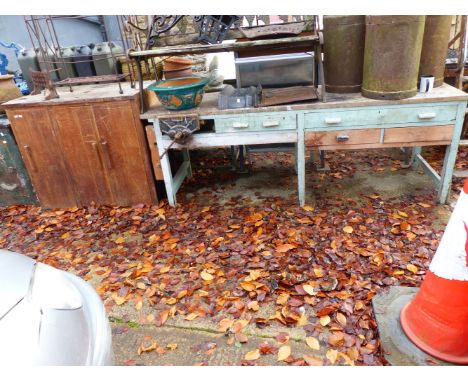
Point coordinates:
pixel 15 186
pixel 278 70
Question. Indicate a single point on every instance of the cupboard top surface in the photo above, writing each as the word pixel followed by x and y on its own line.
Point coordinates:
pixel 80 94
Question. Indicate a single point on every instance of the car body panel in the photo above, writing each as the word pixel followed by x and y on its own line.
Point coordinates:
pixel 15 275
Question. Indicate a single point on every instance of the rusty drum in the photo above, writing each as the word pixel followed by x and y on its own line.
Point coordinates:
pixel 435 46
pixel 391 56
pixel 343 38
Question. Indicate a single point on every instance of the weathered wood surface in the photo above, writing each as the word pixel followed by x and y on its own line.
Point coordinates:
pixel 228 46
pixel 151 136
pixel 271 97
pixel 80 94
pixel 209 105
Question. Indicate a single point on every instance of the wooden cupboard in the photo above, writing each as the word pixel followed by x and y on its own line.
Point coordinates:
pixel 83 150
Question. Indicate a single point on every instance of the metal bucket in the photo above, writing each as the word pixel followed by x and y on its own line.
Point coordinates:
pixel 343 38
pixel 48 63
pixel 102 56
pixel 391 56
pixel 27 60
pixel 65 64
pixel 82 59
pixel 434 48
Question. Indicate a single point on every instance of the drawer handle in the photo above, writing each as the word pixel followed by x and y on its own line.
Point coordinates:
pixel 426 115
pixel 332 121
pixel 271 124
pixel 240 125
pixel 342 138
pixel 107 156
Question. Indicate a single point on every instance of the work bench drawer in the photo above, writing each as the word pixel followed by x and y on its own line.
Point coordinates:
pixel 256 122
pixel 385 116
pixel 343 138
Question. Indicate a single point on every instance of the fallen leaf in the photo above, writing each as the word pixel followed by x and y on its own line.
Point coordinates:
pixel 308 208
pixel 312 361
pixel 206 276
pixel 283 248
pixel 119 240
pixel 145 349
pixel 332 355
pixel 341 318
pixel 313 343
pixel 412 268
pixel 348 229
pixel 284 352
pixel 282 337
pixel 171 346
pixel 252 355
pixel 309 289
pixel 325 320
pixel 191 316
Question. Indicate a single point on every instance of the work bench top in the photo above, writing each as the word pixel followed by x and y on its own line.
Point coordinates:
pixel 209 105
pixel 80 94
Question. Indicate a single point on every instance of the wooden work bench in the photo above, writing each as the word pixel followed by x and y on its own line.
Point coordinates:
pixel 345 121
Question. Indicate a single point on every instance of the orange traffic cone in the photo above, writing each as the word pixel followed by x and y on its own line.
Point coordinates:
pixel 437 319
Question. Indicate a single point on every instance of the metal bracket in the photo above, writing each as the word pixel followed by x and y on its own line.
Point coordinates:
pixel 180 129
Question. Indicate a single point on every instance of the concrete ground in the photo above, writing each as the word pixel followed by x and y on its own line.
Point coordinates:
pixel 201 342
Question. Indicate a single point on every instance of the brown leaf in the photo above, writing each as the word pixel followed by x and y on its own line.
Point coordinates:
pixel 325 320
pixel 284 352
pixel 313 343
pixel 120 240
pixel 171 346
pixel 144 349
pixel 252 355
pixel 332 355
pixel 348 229
pixel 206 276
pixel 341 318
pixel 312 361
pixel 412 268
pixel 283 248
pixel 282 337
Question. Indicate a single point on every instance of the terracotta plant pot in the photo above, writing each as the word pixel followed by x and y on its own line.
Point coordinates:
pixel 177 73
pixel 8 89
pixel 175 63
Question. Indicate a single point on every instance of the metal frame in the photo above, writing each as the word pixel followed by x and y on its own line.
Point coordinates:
pixel 43 36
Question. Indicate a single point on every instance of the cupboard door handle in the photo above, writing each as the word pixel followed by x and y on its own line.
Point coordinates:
pixel 332 121
pixel 105 150
pixel 28 152
pixel 342 138
pixel 240 125
pixel 271 124
pixel 426 115
pixel 98 154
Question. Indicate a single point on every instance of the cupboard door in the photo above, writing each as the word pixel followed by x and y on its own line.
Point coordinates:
pixel 125 154
pixel 39 148
pixel 77 136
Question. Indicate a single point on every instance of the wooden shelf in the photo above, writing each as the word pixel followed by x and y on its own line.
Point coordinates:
pixel 233 46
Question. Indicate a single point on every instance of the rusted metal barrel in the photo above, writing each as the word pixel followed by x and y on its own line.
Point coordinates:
pixel 391 56
pixel 434 48
pixel 343 38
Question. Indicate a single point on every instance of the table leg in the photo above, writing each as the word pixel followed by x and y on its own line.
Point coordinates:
pixel 295 158
pixel 186 156
pixel 165 165
pixel 414 155
pixel 450 157
pixel 300 159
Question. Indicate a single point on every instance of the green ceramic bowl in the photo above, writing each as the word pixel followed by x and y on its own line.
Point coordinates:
pixel 180 93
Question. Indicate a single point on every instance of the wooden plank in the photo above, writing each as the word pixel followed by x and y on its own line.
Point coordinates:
pixel 227 46
pixel 287 95
pixel 232 139
pixel 180 175
pixel 79 95
pixel 419 134
pixel 379 145
pixel 124 155
pixel 33 130
pixel 209 105
pixel 158 174
pixel 350 137
pixel 429 170
pixel 464 142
